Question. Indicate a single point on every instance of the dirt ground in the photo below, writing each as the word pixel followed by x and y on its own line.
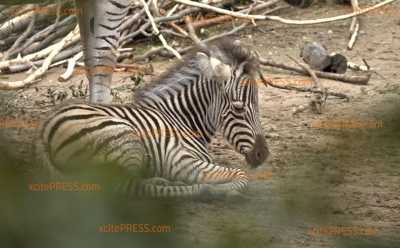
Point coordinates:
pixel 317 178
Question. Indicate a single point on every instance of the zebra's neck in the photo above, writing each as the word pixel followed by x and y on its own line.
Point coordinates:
pixel 191 102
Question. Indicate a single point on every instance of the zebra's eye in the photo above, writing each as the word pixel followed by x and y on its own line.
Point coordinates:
pixel 239 107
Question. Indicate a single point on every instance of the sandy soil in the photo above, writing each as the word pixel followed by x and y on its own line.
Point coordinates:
pixel 316 178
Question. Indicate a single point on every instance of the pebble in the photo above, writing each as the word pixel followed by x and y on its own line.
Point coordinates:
pixel 272 136
pixel 271 128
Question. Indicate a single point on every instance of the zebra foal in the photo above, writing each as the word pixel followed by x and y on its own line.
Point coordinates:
pixel 168 127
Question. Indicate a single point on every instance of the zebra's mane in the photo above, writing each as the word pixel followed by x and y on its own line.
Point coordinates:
pixel 226 50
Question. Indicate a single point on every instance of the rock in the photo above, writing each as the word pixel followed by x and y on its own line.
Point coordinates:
pixel 338 64
pixel 316 56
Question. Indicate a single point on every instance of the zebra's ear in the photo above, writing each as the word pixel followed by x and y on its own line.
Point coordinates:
pixel 221 71
pixel 203 62
pixel 201 55
pixel 236 42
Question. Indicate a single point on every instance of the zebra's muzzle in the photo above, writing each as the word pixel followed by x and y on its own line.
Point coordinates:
pixel 259 153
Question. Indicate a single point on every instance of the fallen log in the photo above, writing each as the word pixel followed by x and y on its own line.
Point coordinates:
pixel 358 80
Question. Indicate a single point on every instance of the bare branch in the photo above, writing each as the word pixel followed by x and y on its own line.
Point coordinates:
pixel 20 39
pixel 70 68
pixel 32 78
pixel 284 20
pixel 160 36
pixel 192 32
pixel 329 93
pixel 359 80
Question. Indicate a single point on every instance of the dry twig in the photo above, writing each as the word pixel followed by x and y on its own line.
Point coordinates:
pixel 354 26
pixel 354 35
pixel 70 68
pixel 319 98
pixel 160 36
pixel 32 78
pixel 284 20
pixel 192 32
pixel 287 87
pixel 20 39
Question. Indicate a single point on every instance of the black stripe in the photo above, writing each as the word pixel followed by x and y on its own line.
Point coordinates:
pixel 182 168
pixel 117 4
pixel 61 121
pixel 124 116
pixel 111 28
pixel 115 113
pixel 86 131
pixel 104 58
pixel 155 122
pixel 108 140
pixel 104 109
pixel 115 148
pixel 142 127
pixel 210 166
pixel 147 135
pixel 111 43
pixel 118 19
pixel 122 154
pixel 117 14
pixel 63 111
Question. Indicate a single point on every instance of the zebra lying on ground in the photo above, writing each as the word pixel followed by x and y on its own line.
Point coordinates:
pixel 168 127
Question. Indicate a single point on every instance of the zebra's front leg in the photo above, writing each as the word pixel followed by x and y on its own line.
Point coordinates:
pixel 219 183
pixel 99 21
pixel 216 181
pixel 200 179
pixel 224 182
pixel 228 183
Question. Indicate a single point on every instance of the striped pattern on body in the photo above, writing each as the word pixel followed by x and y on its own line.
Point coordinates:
pixel 80 132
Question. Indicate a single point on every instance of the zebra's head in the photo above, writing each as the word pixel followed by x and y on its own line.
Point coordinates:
pixel 235 69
